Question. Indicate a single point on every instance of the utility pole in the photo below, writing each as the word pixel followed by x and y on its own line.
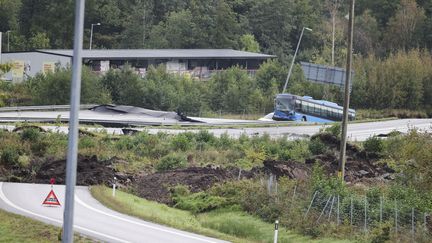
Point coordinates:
pixel 72 153
pixel 0 46
pixel 295 55
pixel 342 157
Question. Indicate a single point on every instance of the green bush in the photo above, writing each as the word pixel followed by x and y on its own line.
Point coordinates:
pixel 316 146
pixel 10 156
pixel 335 129
pixel 170 162
pixel 30 134
pixel 182 142
pixel 196 202
pixel 373 145
pixel 39 147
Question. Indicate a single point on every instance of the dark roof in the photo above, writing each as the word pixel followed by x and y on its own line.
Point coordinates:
pixel 162 54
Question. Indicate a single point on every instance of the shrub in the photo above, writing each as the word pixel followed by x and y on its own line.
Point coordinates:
pixel 316 146
pixel 204 136
pixel 373 145
pixel 30 134
pixel 10 156
pixel 39 147
pixel 335 129
pixel 170 162
pixel 181 142
pixel 23 161
pixel 196 202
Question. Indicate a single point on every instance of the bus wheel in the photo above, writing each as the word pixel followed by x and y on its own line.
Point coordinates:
pixel 303 119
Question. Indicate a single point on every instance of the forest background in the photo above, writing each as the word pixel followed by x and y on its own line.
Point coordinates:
pixel 392 44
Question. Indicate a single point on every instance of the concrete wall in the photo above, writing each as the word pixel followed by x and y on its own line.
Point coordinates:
pixel 33 61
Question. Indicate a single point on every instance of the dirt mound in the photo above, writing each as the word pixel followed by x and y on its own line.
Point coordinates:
pixel 360 166
pixel 90 171
pixel 291 169
pixel 157 186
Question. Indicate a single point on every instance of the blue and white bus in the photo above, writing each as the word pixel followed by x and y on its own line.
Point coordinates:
pixel 290 107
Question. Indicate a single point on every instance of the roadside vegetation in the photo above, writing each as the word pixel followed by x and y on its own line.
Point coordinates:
pixel 208 177
pixel 16 228
pixel 230 224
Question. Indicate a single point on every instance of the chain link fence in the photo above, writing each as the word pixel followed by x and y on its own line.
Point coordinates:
pixel 361 213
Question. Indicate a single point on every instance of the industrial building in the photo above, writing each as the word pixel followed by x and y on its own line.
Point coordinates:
pixel 198 63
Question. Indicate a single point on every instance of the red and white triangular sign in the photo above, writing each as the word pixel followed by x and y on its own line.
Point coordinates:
pixel 51 199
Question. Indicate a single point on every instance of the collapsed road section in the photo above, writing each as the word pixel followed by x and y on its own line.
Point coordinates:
pixel 110 116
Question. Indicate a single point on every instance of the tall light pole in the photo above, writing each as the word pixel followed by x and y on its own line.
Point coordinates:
pixel 295 54
pixel 342 157
pixel 91 34
pixel 72 153
pixel 8 32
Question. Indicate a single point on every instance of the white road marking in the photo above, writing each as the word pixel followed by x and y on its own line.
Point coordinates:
pixel 6 200
pixel 78 200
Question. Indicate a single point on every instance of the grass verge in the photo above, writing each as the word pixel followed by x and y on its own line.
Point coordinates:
pixel 17 228
pixel 231 225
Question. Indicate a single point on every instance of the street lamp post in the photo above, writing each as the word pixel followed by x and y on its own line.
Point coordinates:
pixel 91 34
pixel 295 54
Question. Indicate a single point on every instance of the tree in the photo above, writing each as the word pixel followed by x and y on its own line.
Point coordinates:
pixel 248 43
pixel 9 15
pixel 226 28
pixel 55 18
pixel 404 26
pixel 38 41
pixel 124 86
pixel 54 88
pixel 367 34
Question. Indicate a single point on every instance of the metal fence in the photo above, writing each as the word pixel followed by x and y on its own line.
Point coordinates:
pixel 360 212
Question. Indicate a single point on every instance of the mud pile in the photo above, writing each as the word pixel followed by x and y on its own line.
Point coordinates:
pixel 360 166
pixel 90 171
pixel 157 186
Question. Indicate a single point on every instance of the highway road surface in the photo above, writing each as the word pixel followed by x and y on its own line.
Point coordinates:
pixel 356 131
pixel 91 218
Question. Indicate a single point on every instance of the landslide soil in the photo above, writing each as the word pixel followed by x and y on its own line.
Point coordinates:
pixel 90 171
pixel 361 167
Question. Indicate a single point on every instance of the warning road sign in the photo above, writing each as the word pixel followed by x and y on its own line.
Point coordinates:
pixel 51 199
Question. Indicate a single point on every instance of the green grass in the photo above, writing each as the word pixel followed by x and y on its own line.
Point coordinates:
pixel 235 226
pixel 16 228
pixel 248 227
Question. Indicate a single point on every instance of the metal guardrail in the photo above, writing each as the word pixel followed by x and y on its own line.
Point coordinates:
pixel 44 108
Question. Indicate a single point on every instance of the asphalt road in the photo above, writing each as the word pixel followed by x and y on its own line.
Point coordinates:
pixel 356 131
pixel 91 218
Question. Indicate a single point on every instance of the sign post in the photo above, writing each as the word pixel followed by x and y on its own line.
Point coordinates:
pixel 51 199
pixel 114 186
pixel 276 231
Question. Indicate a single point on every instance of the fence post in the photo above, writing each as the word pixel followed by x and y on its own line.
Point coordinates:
pixel 365 214
pixel 295 188
pixel 337 215
pixel 310 205
pixel 276 231
pixel 331 208
pixel 381 208
pixel 412 224
pixel 351 211
pixel 396 217
pixel 322 212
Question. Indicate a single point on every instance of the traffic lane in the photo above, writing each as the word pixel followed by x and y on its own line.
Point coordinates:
pixel 135 229
pixel 92 219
